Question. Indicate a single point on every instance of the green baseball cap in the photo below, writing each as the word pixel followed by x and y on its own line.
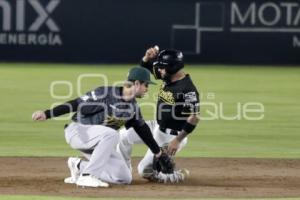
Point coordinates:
pixel 140 74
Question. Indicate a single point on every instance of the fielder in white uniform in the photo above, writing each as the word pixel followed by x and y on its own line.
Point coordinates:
pixel 94 131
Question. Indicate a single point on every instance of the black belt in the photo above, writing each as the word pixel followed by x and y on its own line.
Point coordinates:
pixel 169 131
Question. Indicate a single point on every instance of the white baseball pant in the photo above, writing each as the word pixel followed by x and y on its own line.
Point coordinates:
pixel 97 143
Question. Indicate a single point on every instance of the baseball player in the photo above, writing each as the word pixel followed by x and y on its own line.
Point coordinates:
pixel 177 111
pixel 93 131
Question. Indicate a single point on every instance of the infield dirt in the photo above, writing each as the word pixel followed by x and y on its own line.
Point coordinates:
pixel 210 177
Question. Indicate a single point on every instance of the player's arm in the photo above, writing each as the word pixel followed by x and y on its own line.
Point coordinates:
pixel 86 104
pixel 148 59
pixel 192 108
pixel 70 106
pixel 188 128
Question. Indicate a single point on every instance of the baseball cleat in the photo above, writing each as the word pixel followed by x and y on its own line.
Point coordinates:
pixel 185 173
pixel 90 181
pixel 75 172
pixel 70 180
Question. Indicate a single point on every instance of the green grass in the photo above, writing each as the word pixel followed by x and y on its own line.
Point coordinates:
pixel 26 88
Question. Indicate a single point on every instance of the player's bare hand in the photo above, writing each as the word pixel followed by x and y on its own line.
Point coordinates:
pixel 39 116
pixel 151 53
pixel 173 147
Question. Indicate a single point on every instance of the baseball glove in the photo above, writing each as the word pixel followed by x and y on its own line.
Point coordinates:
pixel 169 174
pixel 164 169
pixel 164 163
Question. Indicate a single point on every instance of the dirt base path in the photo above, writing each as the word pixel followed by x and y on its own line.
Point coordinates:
pixel 210 177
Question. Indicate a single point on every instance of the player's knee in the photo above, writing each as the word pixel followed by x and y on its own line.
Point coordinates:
pixel 128 179
pixel 124 176
pixel 145 171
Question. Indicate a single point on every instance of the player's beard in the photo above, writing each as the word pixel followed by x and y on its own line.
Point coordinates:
pixel 167 78
pixel 139 96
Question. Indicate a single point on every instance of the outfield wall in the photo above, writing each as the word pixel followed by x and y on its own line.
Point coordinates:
pixel 118 31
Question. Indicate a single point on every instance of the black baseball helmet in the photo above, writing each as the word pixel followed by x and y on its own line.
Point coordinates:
pixel 171 60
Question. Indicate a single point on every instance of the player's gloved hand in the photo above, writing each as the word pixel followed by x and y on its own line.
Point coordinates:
pixel 163 163
pixel 39 116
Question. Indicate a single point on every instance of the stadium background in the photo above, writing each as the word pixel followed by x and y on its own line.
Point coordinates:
pixel 236 52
